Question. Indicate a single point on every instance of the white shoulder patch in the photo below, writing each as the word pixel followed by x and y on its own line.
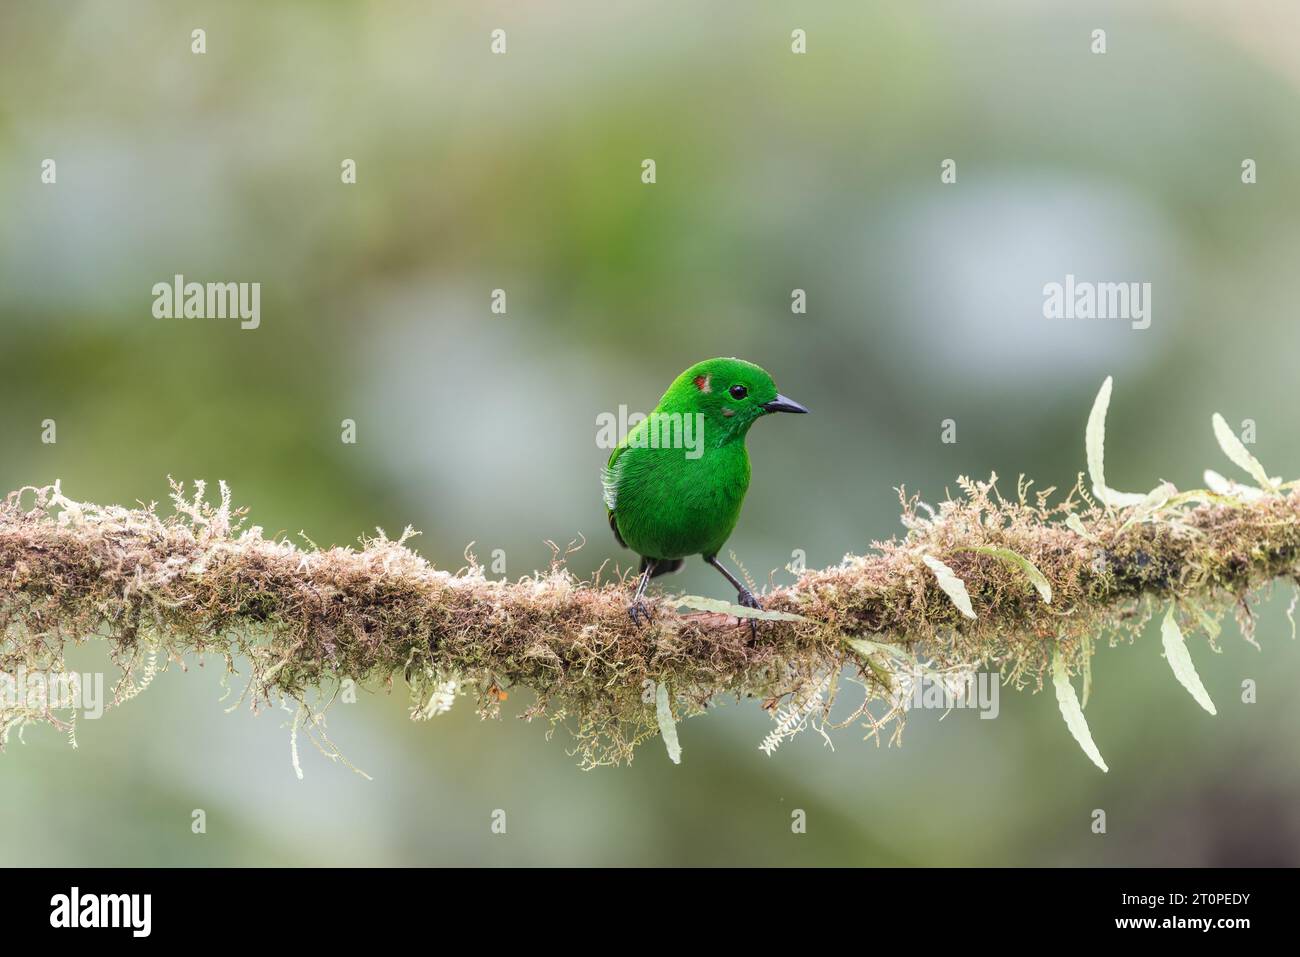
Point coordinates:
pixel 609 484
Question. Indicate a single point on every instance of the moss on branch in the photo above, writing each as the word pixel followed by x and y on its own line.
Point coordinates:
pixel 1020 584
pixel 196 581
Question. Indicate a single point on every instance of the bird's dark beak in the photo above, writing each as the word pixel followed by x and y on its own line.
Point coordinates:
pixel 782 404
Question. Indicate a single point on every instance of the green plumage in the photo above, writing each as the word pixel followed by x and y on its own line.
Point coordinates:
pixel 664 506
pixel 675 485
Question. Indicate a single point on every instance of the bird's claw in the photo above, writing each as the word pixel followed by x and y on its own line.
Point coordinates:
pixel 639 612
pixel 747 599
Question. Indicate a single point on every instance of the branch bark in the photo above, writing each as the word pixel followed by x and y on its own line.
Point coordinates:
pixel 197 581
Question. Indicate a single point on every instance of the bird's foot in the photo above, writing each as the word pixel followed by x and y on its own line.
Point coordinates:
pixel 747 599
pixel 639 612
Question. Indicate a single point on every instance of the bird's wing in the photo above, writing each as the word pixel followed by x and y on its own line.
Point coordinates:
pixel 613 527
pixel 609 476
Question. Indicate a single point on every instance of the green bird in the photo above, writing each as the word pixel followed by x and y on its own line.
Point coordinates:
pixel 674 485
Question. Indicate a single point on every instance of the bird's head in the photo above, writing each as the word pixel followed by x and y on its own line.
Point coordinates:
pixel 731 394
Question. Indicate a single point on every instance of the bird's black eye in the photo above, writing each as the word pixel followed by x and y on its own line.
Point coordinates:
pixel 738 391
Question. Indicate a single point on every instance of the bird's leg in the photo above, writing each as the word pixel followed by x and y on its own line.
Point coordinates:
pixel 744 596
pixel 639 609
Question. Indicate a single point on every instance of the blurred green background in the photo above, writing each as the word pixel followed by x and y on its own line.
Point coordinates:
pixel 522 172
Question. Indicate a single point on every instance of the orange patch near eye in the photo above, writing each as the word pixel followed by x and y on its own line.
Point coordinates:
pixel 702 383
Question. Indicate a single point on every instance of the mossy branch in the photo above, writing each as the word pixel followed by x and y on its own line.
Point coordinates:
pixel 307 620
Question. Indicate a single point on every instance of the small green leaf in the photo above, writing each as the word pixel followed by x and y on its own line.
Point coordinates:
pixel 1216 482
pixel 700 603
pixel 864 647
pixel 1011 557
pixel 1158 497
pixel 1095 442
pixel 1095 437
pixel 1227 492
pixel 1075 524
pixel 865 650
pixel 667 726
pixel 1151 503
pixel 1119 499
pixel 868 649
pixel 1180 660
pixel 952 586
pixel 1072 713
pixel 1241 458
